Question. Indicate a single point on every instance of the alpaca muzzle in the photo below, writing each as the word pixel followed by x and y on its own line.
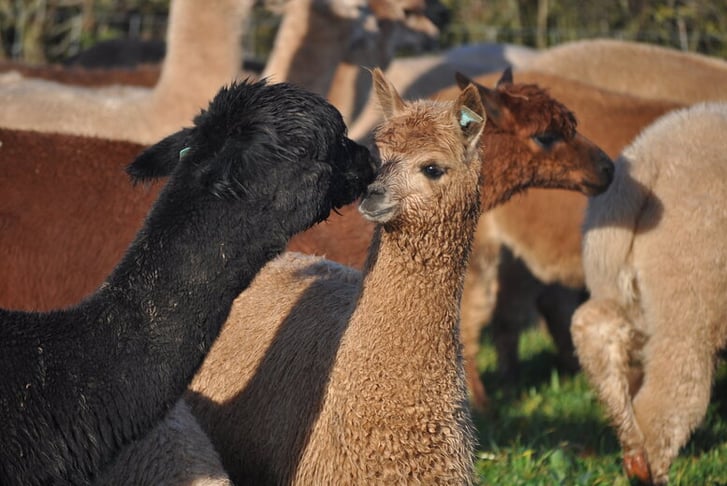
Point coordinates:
pixel 377 205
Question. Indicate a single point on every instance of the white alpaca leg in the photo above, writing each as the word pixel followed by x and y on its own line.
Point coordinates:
pixel 604 338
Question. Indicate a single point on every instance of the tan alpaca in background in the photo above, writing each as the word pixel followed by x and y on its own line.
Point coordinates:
pixel 203 52
pixel 312 39
pixel 638 69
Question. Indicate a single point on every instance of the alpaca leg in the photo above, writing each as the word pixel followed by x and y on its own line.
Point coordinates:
pixel 604 340
pixel 514 309
pixel 478 302
pixel 673 398
pixel 557 304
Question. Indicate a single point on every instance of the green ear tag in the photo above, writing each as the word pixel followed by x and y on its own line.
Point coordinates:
pixel 468 116
pixel 184 152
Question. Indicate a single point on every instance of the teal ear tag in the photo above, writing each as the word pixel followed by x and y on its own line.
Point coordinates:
pixel 467 116
pixel 184 152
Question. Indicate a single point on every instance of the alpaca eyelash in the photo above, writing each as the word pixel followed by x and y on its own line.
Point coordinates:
pixel 545 140
pixel 433 171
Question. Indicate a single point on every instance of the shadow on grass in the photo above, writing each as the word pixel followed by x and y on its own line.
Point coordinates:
pixel 545 410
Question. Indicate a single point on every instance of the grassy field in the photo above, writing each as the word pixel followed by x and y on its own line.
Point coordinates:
pixel 549 429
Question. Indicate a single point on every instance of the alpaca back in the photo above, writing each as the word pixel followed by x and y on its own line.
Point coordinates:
pixel 155 459
pixel 203 53
pixel 663 195
pixel 268 372
pixel 639 69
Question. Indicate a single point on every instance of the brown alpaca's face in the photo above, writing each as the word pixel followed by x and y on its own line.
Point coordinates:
pixel 537 136
pixel 429 157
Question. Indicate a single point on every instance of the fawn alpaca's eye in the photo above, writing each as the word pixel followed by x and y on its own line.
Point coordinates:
pixel 433 171
pixel 546 139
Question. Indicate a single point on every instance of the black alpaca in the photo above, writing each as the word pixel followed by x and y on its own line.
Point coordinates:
pixel 262 163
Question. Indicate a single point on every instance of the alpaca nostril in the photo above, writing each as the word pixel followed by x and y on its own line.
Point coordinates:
pixel 375 190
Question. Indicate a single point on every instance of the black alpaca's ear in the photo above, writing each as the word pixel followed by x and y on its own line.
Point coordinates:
pixel 160 159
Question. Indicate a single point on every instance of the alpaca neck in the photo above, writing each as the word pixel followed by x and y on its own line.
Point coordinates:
pixel 179 277
pixel 503 173
pixel 204 49
pixel 309 45
pixel 400 364
pixel 409 306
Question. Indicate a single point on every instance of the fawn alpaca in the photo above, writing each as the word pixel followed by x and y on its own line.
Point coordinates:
pixel 360 375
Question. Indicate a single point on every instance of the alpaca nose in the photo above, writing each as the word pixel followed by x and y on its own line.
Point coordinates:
pixel 606 167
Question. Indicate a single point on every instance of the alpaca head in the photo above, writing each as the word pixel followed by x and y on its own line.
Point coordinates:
pixel 271 142
pixel 538 136
pixel 430 162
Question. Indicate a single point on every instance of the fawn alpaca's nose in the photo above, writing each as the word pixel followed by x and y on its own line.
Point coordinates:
pixel 377 205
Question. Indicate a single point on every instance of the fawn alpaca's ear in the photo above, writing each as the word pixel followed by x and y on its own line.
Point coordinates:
pixel 470 114
pixel 491 99
pixel 388 97
pixel 160 159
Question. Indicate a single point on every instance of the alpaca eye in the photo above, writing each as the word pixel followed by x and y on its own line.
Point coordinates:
pixel 545 140
pixel 433 171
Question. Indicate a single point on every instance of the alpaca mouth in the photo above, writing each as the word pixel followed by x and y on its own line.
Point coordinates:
pixel 375 211
pixel 593 189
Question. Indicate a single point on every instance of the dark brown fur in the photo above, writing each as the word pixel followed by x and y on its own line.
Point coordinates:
pixel 67 213
pixel 144 75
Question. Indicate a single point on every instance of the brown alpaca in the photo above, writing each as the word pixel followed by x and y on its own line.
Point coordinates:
pixel 542 229
pixel 145 75
pixel 74 194
pixel 643 70
pixel 339 380
pixel 204 52
pixel 654 258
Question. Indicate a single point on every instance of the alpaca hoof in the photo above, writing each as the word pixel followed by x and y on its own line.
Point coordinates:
pixel 637 466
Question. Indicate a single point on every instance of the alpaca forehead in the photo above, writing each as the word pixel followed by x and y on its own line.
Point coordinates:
pixel 413 150
pixel 413 136
pixel 536 112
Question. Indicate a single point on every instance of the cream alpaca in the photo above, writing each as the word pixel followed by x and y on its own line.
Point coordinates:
pixel 656 266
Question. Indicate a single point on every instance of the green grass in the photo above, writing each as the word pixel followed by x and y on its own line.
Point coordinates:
pixel 549 429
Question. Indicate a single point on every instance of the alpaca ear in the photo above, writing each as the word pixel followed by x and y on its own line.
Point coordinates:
pixel 160 159
pixel 490 98
pixel 470 114
pixel 388 97
pixel 462 80
pixel 506 78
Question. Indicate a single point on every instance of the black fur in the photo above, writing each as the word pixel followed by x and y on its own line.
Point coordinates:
pixel 76 385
